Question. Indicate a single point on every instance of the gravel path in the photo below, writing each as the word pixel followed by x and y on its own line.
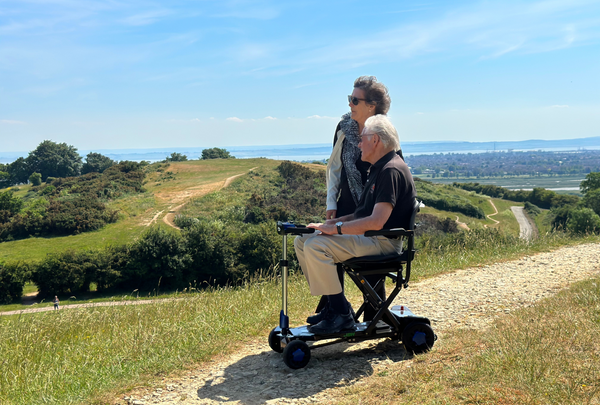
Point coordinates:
pixel 527 230
pixel 469 298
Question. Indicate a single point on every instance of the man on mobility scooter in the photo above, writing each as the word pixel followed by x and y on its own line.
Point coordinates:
pixel 386 203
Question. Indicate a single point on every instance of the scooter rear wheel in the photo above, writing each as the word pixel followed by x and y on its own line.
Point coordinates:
pixel 418 337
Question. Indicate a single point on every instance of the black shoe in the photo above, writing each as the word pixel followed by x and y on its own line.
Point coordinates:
pixel 316 318
pixel 333 323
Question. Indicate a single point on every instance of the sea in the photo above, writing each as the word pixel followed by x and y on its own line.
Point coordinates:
pixel 322 151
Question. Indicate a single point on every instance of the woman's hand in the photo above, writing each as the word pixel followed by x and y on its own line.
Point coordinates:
pixel 330 214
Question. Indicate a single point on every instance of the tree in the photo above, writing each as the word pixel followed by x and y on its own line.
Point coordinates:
pixel 96 162
pixel 177 157
pixel 4 179
pixel 592 200
pixel 216 153
pixel 35 179
pixel 18 171
pixel 55 160
pixel 591 182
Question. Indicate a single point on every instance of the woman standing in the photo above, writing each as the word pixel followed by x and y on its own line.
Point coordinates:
pixel 346 172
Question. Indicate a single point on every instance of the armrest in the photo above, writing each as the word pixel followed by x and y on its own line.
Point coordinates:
pixel 395 232
pixel 289 228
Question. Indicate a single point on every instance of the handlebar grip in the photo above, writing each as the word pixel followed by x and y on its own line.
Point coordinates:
pixel 289 228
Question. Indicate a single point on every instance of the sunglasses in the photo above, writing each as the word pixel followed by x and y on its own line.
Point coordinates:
pixel 356 100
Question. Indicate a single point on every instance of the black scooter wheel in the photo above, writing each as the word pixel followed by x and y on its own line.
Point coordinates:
pixel 296 354
pixel 275 341
pixel 418 337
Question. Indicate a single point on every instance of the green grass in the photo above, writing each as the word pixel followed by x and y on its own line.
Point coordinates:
pixel 74 356
pixel 546 354
pixel 87 355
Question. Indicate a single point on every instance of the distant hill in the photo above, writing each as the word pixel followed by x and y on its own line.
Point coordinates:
pixel 321 151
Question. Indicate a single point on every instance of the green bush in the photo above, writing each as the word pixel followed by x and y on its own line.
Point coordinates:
pixel 10 203
pixel 159 257
pixel 583 221
pixel 35 179
pixel 69 272
pixel 12 280
pixel 532 209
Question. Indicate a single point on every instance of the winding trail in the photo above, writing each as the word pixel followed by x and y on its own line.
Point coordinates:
pixel 491 215
pixel 194 192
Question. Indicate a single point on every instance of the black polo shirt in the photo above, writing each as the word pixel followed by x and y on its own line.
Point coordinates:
pixel 389 181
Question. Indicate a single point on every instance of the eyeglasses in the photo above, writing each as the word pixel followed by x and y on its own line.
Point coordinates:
pixel 364 135
pixel 355 100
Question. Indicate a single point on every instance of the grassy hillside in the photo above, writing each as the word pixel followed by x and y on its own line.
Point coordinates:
pixel 77 356
pixel 167 185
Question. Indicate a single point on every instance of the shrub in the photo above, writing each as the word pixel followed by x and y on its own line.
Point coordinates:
pixel 213 249
pixel 12 280
pixel 64 273
pixel 159 256
pixel 532 209
pixel 431 224
pixel 35 179
pixel 583 220
pixel 10 203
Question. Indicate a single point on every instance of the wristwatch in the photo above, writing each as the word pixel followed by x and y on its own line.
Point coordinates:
pixel 339 227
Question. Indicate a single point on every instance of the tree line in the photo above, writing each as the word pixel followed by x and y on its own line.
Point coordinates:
pixel 51 159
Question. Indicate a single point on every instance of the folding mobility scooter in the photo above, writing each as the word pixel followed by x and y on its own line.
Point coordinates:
pixel 397 322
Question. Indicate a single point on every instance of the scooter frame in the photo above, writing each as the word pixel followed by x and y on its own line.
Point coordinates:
pixel 396 323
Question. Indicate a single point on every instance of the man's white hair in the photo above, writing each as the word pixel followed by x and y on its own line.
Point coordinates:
pixel 381 125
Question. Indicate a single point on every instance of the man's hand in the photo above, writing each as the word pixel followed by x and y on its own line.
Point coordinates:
pixel 330 214
pixel 327 229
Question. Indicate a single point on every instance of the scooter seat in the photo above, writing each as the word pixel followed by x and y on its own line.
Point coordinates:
pixel 392 261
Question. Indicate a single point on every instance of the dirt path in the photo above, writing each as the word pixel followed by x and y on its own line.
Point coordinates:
pixel 86 305
pixel 186 195
pixel 462 224
pixel 470 298
pixel 491 215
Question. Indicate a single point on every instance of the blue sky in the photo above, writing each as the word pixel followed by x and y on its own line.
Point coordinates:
pixel 144 74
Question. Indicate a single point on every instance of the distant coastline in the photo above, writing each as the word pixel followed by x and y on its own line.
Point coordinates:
pixel 312 152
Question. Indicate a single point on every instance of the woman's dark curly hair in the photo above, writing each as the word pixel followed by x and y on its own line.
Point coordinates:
pixel 375 93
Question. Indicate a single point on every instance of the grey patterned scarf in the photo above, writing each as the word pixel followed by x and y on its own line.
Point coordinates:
pixel 350 154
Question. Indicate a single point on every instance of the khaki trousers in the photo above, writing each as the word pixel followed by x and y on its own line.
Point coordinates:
pixel 318 254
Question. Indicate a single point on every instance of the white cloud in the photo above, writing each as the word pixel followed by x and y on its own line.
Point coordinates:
pixel 12 122
pixel 559 106
pixel 235 119
pixel 269 118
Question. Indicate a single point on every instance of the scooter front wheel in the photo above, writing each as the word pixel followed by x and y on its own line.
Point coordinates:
pixel 296 354
pixel 275 340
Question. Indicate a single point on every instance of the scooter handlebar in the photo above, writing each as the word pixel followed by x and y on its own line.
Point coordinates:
pixel 290 228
